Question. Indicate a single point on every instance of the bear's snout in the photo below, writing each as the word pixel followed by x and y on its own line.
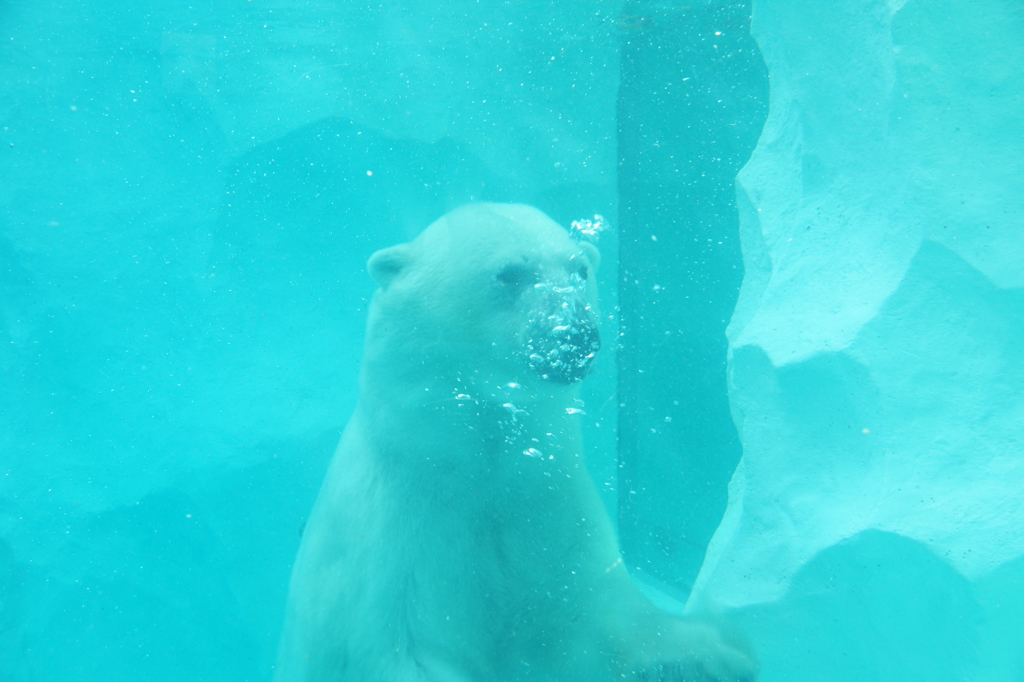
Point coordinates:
pixel 562 340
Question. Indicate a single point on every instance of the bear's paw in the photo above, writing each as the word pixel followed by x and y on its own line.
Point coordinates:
pixel 695 651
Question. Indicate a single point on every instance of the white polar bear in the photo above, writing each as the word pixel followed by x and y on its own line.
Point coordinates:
pixel 457 536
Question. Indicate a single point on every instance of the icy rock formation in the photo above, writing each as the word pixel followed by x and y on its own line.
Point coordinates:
pixel 875 527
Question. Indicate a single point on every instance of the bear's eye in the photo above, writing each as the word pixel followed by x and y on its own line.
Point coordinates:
pixel 515 276
pixel 583 272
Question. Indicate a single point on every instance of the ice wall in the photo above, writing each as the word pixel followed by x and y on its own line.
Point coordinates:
pixel 188 195
pixel 875 527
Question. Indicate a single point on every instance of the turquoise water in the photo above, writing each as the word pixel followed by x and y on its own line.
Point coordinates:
pixel 807 410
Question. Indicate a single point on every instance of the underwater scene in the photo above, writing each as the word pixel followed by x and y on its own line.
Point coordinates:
pixel 489 341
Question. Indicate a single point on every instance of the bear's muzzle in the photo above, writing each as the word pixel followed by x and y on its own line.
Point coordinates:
pixel 561 345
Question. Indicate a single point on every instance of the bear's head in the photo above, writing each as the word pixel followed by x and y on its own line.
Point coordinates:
pixel 488 295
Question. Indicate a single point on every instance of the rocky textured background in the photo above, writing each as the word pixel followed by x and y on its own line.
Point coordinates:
pixel 875 528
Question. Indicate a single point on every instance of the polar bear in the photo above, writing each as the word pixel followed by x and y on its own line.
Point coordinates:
pixel 457 536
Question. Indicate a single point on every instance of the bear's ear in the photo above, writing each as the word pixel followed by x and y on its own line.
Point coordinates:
pixel 593 255
pixel 387 264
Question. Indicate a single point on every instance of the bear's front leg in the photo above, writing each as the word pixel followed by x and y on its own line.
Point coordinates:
pixel 689 650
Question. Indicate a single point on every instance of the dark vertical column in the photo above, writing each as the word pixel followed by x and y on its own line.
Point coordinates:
pixel 692 101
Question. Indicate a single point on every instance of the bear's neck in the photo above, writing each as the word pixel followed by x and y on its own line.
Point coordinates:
pixel 431 380
pixel 493 466
pixel 478 410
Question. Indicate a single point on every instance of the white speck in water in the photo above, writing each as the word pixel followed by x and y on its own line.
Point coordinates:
pixel 533 452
